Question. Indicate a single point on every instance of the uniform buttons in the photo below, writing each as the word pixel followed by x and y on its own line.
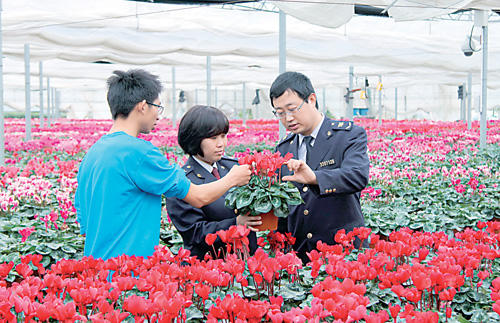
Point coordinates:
pixel 199 175
pixel 335 190
pixel 235 211
pixel 326 191
pixel 305 188
pixel 306 212
pixel 309 235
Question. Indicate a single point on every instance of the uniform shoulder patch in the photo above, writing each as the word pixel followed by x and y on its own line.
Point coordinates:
pixel 341 125
pixel 286 138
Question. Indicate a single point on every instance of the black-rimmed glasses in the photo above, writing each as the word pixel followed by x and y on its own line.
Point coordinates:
pixel 160 108
pixel 290 112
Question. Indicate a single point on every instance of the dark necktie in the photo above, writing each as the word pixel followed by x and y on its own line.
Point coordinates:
pixel 215 172
pixel 307 141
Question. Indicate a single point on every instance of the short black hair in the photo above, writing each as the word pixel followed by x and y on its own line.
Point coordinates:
pixel 293 81
pixel 126 89
pixel 200 122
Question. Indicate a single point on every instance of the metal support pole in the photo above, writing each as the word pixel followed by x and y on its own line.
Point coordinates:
pixel 380 102
pixel 484 88
pixel 215 97
pixel 48 101
pixel 396 104
pixel 244 117
pixel 350 105
pixel 40 72
pixel 282 56
pixel 469 101
pixel 324 101
pixel 57 103
pixel 53 105
pixel 463 112
pixel 235 104
pixel 174 99
pixel 2 115
pixel 27 89
pixel 209 80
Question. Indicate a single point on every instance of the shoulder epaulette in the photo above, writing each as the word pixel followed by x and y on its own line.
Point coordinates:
pixel 286 138
pixel 341 125
pixel 188 168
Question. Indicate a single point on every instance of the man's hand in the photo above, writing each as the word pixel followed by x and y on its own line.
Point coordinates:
pixel 302 173
pixel 249 221
pixel 240 174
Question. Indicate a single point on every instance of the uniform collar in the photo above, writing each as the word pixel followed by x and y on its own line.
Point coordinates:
pixel 315 132
pixel 208 167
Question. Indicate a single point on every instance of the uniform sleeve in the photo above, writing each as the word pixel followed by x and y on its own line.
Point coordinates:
pixel 353 174
pixel 156 175
pixel 193 224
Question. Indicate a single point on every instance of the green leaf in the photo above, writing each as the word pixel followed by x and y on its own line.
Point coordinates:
pixel 281 212
pixel 263 205
pixel 276 202
pixel 54 246
pixel 402 220
pixel 292 291
pixel 294 200
pixel 43 249
pixel 430 227
pixel 192 313
pixel 244 199
pixel 68 249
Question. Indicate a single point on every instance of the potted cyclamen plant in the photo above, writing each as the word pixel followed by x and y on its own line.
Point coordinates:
pixel 265 195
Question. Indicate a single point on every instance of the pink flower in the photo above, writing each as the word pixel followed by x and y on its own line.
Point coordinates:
pixel 25 233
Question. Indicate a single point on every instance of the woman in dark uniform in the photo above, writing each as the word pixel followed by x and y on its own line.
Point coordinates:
pixel 203 136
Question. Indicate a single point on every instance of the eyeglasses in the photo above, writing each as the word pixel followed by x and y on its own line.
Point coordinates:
pixel 160 108
pixel 290 112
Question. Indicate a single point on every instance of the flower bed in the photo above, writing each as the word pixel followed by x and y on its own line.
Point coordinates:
pixel 416 276
pixel 426 176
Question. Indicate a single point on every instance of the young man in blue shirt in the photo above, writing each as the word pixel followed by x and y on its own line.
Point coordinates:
pixel 122 178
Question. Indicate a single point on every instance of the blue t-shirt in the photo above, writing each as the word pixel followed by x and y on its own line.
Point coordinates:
pixel 118 199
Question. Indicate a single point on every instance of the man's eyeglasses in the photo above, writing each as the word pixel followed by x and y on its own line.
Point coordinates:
pixel 290 112
pixel 160 108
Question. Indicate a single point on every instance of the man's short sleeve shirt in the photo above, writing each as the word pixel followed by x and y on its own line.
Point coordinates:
pixel 120 183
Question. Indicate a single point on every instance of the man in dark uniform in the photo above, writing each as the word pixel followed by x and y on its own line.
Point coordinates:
pixel 330 165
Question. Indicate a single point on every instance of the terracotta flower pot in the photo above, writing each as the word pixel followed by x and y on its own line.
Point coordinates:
pixel 269 221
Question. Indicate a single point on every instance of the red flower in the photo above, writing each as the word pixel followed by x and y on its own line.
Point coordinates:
pixel 210 238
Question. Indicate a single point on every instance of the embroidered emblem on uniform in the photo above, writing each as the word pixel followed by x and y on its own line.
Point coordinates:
pixel 340 124
pixel 327 162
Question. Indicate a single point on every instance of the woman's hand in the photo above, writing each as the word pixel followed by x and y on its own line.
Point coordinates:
pixel 249 221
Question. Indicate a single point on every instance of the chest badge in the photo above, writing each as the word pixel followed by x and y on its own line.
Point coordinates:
pixel 327 162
